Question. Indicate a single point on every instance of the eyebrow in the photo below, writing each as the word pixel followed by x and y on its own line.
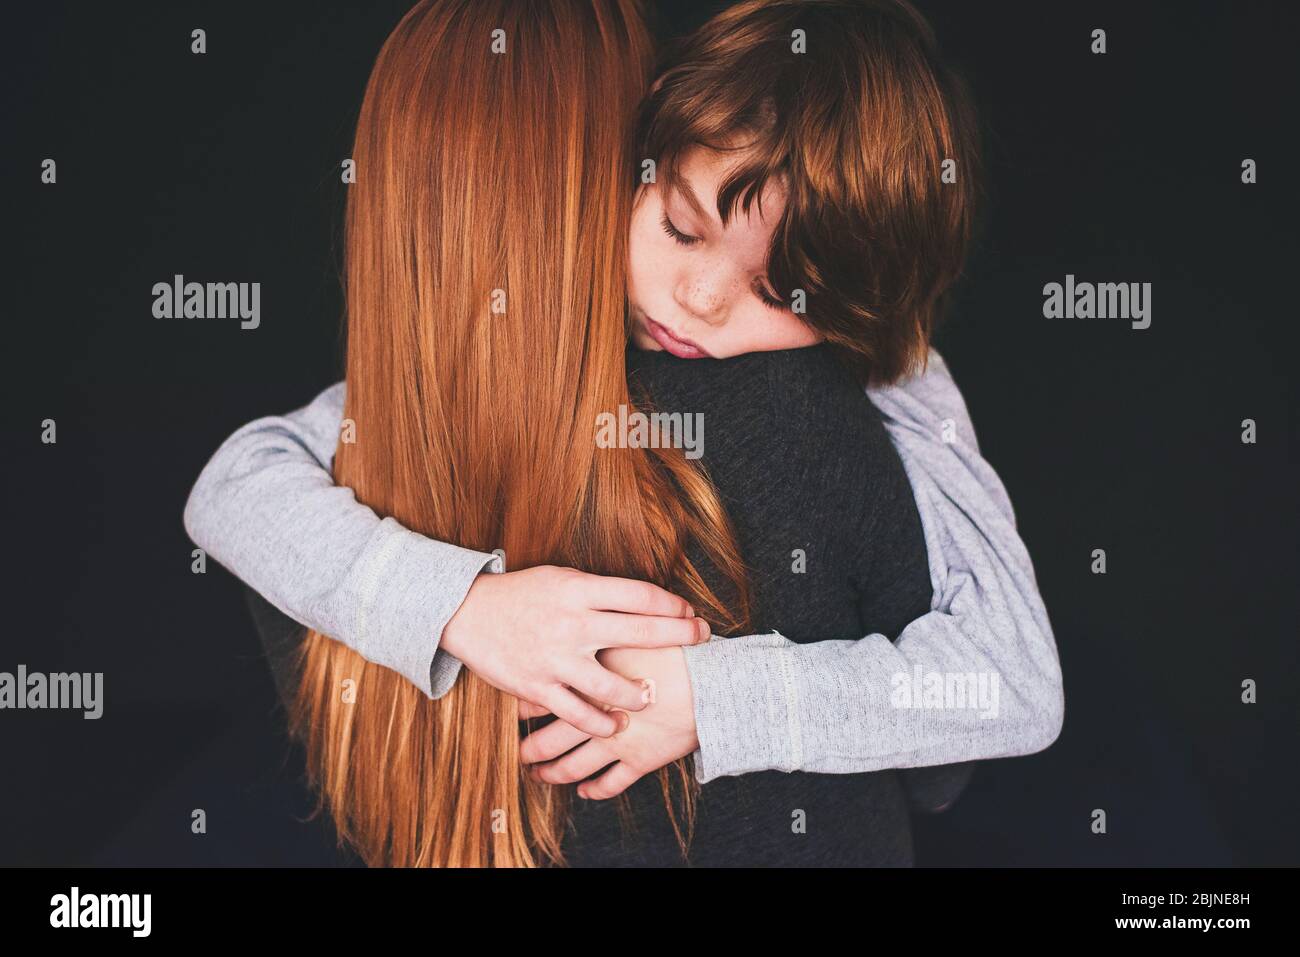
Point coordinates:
pixel 684 190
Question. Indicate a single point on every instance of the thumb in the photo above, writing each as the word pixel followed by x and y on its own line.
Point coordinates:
pixel 622 717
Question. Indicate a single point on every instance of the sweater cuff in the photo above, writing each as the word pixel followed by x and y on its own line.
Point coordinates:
pixel 410 590
pixel 746 712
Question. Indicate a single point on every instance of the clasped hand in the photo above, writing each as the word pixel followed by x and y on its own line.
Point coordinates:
pixel 602 654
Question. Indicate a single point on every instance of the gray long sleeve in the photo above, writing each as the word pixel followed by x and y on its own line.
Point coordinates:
pixel 265 507
pixel 765 702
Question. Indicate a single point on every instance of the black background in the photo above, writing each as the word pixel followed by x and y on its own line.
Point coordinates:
pixel 224 167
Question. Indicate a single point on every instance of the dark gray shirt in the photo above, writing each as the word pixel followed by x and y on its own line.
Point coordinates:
pixel 826 522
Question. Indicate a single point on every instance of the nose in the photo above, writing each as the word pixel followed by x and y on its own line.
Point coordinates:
pixel 707 294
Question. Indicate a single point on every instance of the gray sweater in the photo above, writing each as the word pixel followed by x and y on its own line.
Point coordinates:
pixel 977 677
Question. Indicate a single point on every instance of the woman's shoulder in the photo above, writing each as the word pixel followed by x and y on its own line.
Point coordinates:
pixel 795 414
pixel 784 388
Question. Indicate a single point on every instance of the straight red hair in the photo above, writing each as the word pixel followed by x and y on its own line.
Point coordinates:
pixel 486 244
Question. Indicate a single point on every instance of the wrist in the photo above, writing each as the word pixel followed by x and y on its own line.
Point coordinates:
pixel 684 704
pixel 454 633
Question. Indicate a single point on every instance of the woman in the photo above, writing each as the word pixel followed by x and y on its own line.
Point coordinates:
pixel 485 332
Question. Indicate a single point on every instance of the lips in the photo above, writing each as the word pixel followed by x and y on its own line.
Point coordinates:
pixel 681 348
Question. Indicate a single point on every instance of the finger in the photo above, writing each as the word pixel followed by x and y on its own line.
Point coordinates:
pixel 609 593
pixel 615 630
pixel 577 765
pixel 529 710
pixel 604 687
pixel 567 706
pixel 610 784
pixel 548 743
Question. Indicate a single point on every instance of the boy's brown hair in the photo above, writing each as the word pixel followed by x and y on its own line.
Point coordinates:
pixel 857 128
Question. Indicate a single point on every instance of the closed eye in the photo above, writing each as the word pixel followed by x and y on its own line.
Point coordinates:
pixel 682 238
pixel 766 297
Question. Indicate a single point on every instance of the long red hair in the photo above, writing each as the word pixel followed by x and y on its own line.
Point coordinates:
pixel 486 243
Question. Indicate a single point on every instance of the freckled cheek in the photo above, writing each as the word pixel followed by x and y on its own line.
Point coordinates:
pixel 649 271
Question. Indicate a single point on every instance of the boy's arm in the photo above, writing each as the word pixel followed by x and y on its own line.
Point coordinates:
pixel 266 507
pixel 764 702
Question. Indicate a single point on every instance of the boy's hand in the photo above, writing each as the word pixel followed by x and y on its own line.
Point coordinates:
pixel 660 733
pixel 535 634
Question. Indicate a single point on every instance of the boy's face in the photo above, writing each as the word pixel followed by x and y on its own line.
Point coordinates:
pixel 698 289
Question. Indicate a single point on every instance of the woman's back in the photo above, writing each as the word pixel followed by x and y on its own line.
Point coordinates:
pixel 826 522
